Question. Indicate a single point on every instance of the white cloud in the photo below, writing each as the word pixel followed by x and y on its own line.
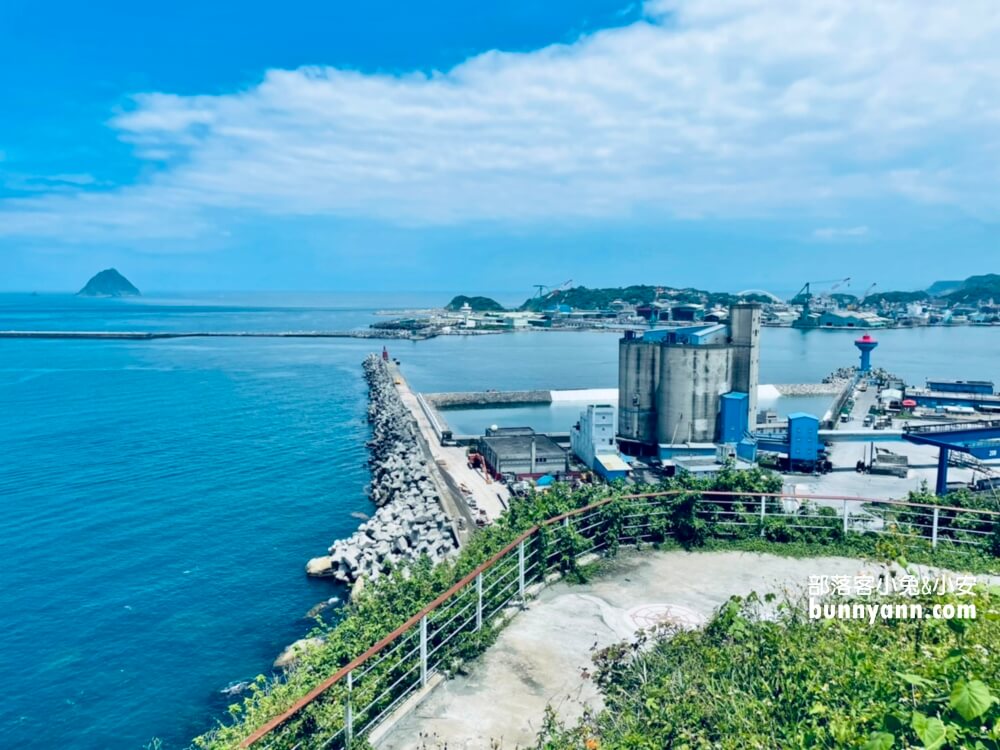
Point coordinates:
pixel 704 109
pixel 830 234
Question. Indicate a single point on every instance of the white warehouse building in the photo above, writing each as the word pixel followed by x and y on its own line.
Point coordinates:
pixel 592 440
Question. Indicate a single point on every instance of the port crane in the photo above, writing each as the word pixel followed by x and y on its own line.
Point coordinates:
pixel 862 298
pixel 544 290
pixel 806 291
pixel 807 287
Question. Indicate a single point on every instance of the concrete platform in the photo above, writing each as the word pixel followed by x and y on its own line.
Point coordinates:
pixel 544 656
pixel 491 497
pixel 845 481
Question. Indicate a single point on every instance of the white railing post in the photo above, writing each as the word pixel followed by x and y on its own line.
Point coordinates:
pixel 423 651
pixel 348 716
pixel 845 518
pixel 520 570
pixel 934 528
pixel 763 512
pixel 479 602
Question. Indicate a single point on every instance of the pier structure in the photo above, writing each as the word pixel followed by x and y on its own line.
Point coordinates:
pixel 150 335
pixel 978 439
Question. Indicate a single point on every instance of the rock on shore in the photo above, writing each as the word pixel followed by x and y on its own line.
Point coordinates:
pixel 409 522
pixel 296 650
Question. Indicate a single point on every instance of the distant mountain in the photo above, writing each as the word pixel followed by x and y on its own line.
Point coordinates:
pixel 478 304
pixel 941 288
pixel 896 298
pixel 582 298
pixel 977 289
pixel 108 283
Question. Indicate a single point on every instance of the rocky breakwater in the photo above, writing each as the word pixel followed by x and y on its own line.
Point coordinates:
pixel 409 522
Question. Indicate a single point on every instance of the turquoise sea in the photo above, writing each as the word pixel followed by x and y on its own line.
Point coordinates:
pixel 160 498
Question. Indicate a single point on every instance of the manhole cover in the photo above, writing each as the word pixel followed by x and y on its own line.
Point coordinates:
pixel 650 615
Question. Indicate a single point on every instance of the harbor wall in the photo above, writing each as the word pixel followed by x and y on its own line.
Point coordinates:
pixel 487 398
pixel 831 418
pixel 149 335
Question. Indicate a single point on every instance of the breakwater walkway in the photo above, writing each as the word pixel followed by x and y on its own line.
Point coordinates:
pixel 468 487
pixel 149 335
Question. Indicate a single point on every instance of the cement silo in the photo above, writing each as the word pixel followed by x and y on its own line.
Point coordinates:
pixel 671 378
pixel 638 378
pixel 692 378
pixel 744 326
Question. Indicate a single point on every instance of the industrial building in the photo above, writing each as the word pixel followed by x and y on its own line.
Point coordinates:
pixel 522 452
pixel 982 387
pixel 709 466
pixel 972 394
pixel 592 440
pixel 670 379
pixel 845 319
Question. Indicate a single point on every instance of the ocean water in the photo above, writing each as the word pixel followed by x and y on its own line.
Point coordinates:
pixel 589 359
pixel 160 498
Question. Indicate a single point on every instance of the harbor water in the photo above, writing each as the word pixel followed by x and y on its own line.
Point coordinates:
pixel 160 498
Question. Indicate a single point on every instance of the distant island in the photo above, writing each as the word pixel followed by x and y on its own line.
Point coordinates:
pixel 108 283
pixel 477 304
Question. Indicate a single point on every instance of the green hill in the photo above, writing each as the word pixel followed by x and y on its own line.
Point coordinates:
pixel 977 289
pixel 894 298
pixel 941 288
pixel 479 304
pixel 583 298
pixel 108 283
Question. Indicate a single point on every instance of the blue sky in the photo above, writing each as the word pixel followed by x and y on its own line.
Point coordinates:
pixel 445 145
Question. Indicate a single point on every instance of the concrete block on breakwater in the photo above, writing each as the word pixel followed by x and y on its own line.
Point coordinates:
pixel 811 389
pixel 410 522
pixel 486 398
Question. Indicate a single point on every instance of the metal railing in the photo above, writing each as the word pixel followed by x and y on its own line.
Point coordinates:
pixel 360 695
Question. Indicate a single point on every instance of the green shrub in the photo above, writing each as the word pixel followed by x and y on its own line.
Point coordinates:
pixel 781 680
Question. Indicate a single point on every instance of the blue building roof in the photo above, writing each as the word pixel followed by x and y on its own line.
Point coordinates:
pixel 802 415
pixel 699 335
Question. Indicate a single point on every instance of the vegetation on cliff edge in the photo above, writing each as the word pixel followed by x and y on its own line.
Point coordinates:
pixel 683 519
